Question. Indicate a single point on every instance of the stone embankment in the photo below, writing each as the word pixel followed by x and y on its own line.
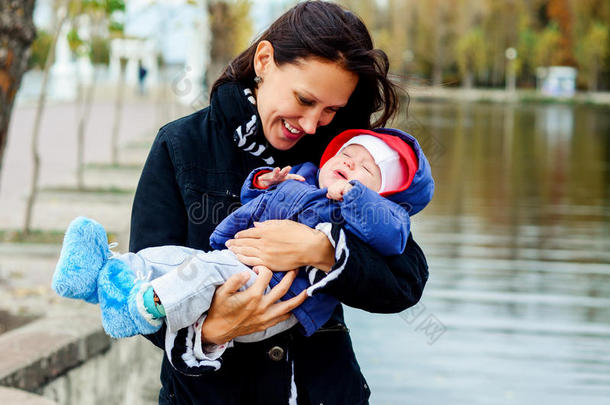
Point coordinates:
pixel 68 358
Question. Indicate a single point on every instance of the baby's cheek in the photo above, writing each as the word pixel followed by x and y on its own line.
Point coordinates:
pixel 323 178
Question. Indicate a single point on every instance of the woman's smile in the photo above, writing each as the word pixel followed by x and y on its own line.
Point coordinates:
pixel 291 132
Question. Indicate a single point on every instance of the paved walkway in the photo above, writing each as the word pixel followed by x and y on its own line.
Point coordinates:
pixel 140 122
pixel 14 396
pixel 26 269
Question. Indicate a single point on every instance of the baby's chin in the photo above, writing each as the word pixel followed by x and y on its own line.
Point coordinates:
pixel 326 181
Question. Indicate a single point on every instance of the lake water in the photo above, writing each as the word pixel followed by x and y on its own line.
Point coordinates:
pixel 517 307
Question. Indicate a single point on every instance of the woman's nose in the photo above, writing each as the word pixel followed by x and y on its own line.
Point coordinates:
pixel 309 124
pixel 311 121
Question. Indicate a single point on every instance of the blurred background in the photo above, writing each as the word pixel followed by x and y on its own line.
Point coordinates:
pixel 510 100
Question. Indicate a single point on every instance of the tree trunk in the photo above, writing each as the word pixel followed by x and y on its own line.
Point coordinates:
pixel 437 74
pixel 80 110
pixel 468 80
pixel 17 32
pixel 118 110
pixel 88 94
pixel 36 131
pixel 498 72
pixel 593 76
pixel 437 63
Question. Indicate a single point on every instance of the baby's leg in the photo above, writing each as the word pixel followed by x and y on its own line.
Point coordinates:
pixel 154 262
pixel 186 292
pixel 118 290
pixel 185 281
pixel 125 294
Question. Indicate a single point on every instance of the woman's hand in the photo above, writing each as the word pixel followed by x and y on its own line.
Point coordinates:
pixel 281 245
pixel 236 313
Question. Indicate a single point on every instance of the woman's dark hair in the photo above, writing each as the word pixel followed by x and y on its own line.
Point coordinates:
pixel 325 30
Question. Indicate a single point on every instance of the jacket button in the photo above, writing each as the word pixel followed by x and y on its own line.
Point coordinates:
pixel 276 353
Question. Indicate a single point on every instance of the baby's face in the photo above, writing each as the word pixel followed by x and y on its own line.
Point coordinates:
pixel 353 163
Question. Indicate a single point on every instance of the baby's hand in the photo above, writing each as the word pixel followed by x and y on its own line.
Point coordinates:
pixel 277 176
pixel 337 190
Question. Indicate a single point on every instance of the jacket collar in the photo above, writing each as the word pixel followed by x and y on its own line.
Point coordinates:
pixel 236 106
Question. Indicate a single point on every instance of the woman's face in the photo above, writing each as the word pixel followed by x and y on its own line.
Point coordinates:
pixel 294 99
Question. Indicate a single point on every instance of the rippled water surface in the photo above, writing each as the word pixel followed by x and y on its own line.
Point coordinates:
pixel 517 307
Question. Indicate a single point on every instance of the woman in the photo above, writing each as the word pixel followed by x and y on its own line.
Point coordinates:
pixel 312 74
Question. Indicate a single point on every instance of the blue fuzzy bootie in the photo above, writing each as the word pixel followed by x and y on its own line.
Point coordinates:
pixel 120 295
pixel 83 254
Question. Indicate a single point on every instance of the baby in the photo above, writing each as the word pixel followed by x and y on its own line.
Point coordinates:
pixel 369 181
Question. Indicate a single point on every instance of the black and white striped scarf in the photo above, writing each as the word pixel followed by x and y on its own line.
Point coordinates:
pixel 250 138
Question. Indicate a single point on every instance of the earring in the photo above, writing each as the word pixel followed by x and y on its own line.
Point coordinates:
pixel 258 80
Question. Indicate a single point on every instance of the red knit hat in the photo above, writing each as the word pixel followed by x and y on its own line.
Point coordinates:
pixel 397 169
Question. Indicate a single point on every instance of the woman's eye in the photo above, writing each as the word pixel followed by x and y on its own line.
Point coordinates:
pixel 304 101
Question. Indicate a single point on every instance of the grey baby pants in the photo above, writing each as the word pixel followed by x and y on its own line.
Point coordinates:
pixel 185 280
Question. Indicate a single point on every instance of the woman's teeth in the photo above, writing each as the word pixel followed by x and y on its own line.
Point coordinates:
pixel 290 128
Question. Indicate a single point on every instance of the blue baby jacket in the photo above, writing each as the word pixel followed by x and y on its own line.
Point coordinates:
pixel 383 223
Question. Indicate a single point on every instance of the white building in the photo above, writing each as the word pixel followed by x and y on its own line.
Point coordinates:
pixel 173 31
pixel 557 81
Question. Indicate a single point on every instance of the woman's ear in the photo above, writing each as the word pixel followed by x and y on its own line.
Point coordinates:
pixel 263 58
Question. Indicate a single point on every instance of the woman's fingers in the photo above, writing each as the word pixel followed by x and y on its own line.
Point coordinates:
pixel 257 231
pixel 273 322
pixel 280 311
pixel 262 281
pixel 249 260
pixel 239 249
pixel 281 288
pixel 252 233
pixel 256 267
pixel 284 307
pixel 270 224
pixel 233 283
pixel 236 313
